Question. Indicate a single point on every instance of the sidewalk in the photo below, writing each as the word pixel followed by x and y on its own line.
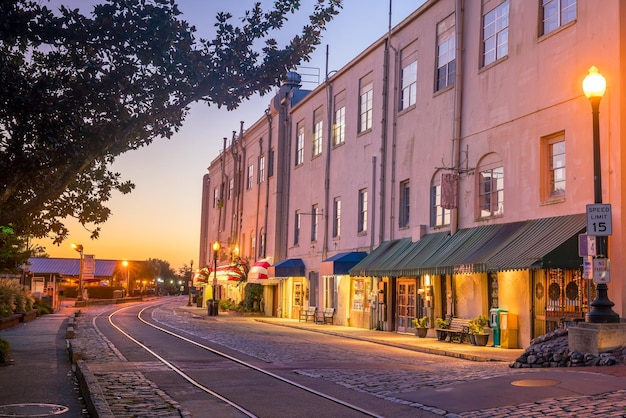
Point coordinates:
pixel 428 345
pixel 39 381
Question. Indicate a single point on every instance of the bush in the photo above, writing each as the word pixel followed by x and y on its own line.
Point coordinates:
pixel 227 305
pixel 13 298
pixel 5 350
pixel 43 307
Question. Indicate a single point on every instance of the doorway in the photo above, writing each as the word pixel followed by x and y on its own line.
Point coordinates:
pixel 406 304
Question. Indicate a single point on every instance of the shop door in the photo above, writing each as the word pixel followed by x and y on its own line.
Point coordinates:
pixel 560 296
pixel 298 298
pixel 406 304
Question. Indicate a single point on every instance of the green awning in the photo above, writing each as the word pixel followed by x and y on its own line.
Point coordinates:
pixel 542 243
pixel 378 262
pixel 468 249
pixel 420 251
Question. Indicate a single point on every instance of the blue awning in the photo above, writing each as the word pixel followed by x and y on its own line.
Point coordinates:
pixel 341 263
pixel 291 267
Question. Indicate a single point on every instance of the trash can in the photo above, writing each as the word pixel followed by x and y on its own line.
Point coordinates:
pixel 508 328
pixel 212 307
pixel 494 323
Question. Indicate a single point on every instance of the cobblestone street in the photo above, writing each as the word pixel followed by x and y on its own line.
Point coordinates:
pixel 390 373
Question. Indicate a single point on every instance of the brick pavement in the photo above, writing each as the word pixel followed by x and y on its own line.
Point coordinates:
pixel 117 386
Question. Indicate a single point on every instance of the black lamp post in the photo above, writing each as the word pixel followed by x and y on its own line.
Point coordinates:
pixel 594 86
pixel 79 248
pixel 213 305
pixel 190 283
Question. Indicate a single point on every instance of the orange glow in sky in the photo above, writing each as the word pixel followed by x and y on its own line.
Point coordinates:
pixel 160 219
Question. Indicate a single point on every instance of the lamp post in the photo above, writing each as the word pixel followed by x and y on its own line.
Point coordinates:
pixel 125 264
pixel 79 248
pixel 213 305
pixel 594 86
pixel 190 283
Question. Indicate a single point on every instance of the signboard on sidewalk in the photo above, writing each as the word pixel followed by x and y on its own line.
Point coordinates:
pixel 586 245
pixel 599 220
pixel 89 268
pixel 601 270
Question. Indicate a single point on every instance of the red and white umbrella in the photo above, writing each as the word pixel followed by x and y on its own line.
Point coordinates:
pixel 258 272
pixel 230 272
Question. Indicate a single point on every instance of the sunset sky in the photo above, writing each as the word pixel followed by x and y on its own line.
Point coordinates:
pixel 161 217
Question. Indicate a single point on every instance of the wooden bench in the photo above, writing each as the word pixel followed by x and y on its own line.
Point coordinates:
pixel 326 316
pixel 458 330
pixel 310 312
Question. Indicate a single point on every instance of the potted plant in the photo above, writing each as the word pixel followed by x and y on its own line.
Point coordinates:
pixel 420 326
pixel 441 325
pixel 478 336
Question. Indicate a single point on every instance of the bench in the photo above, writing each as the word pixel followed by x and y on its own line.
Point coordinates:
pixel 310 312
pixel 458 330
pixel 326 316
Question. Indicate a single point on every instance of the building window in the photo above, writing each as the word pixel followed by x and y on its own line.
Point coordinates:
pixel 366 103
pixel 339 127
pixel 300 143
pixel 409 85
pixel 362 215
pixel 404 209
pixel 557 168
pixel 250 176
pixel 336 217
pixel 496 33
pixel 262 243
pixel 491 192
pixel 261 169
pixel 446 53
pixel 314 222
pixel 296 229
pixel 318 127
pixel 216 197
pixel 556 13
pixel 231 188
pixel 439 216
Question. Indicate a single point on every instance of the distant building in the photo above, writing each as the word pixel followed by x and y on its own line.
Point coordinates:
pixel 456 152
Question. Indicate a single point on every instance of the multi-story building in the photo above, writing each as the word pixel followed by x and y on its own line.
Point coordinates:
pixel 445 170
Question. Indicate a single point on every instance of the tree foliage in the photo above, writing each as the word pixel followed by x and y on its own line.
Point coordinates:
pixel 78 90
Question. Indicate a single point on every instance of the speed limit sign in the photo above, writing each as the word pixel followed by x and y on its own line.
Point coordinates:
pixel 599 222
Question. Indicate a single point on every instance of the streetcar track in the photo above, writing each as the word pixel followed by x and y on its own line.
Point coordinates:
pixel 225 356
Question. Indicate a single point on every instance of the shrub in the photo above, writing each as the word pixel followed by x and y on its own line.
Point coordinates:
pixel 43 307
pixel 441 323
pixel 13 298
pixel 227 305
pixel 5 350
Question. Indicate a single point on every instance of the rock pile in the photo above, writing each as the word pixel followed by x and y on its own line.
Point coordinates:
pixel 552 350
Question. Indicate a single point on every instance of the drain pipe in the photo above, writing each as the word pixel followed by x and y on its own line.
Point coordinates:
pixel 458 108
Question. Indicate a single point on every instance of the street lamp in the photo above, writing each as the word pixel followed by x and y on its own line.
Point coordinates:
pixel 594 86
pixel 190 282
pixel 213 307
pixel 125 264
pixel 79 248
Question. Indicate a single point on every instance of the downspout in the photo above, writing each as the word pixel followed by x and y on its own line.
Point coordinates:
pixel 267 181
pixel 373 203
pixel 235 203
pixel 458 107
pixel 258 205
pixel 383 142
pixel 241 177
pixel 329 98
pixel 221 218
pixel 394 135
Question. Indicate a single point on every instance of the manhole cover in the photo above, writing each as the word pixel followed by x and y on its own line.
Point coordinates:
pixel 535 382
pixel 31 410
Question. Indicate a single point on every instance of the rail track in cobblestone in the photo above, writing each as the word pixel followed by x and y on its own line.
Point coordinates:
pixel 247 390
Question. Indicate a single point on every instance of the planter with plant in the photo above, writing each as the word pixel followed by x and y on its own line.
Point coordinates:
pixel 477 326
pixel 441 325
pixel 421 325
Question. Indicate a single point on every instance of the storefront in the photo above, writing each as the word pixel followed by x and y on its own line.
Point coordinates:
pixel 293 287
